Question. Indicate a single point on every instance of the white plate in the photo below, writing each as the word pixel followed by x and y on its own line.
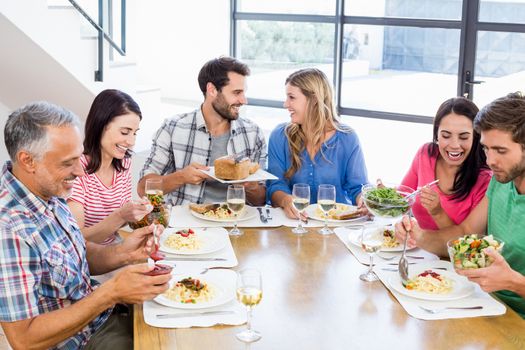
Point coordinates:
pixel 461 287
pixel 247 214
pixel 223 281
pixel 209 242
pixel 311 210
pixel 354 239
pixel 259 175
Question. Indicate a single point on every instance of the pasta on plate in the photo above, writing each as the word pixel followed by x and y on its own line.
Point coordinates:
pixel 183 240
pixel 430 282
pixel 190 291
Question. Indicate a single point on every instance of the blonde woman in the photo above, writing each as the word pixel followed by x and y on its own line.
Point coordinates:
pixel 314 148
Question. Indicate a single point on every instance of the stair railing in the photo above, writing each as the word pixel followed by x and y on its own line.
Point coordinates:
pixel 102 35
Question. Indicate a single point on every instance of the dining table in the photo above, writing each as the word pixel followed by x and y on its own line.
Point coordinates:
pixel 313 299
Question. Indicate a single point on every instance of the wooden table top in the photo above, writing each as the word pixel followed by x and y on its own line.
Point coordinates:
pixel 313 299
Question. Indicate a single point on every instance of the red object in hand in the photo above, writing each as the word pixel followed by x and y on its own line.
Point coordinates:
pixel 160 269
pixel 156 256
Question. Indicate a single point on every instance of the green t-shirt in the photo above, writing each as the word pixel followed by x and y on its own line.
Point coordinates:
pixel 506 221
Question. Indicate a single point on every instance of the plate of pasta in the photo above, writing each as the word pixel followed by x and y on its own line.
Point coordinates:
pixel 219 212
pixel 436 285
pixel 191 241
pixel 187 291
pixel 341 213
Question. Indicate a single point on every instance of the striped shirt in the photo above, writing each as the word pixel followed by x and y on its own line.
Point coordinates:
pixel 98 199
pixel 185 139
pixel 43 264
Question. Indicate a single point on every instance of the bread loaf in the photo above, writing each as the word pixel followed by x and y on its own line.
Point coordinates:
pixel 346 215
pixel 226 168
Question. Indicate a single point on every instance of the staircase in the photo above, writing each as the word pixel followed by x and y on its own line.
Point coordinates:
pixel 49 52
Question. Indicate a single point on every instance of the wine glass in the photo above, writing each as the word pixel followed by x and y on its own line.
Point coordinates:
pixel 301 199
pixel 371 242
pixel 249 293
pixel 153 188
pixel 235 199
pixel 326 202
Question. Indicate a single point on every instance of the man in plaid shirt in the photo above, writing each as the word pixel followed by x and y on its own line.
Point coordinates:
pixel 47 297
pixel 190 142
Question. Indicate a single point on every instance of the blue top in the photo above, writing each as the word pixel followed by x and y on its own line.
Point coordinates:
pixel 341 164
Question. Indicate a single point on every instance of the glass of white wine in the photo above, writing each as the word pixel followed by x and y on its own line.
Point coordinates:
pixel 249 293
pixel 301 199
pixel 326 202
pixel 371 243
pixel 235 199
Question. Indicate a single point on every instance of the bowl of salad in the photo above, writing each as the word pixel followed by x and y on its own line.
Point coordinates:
pixel 467 252
pixel 387 201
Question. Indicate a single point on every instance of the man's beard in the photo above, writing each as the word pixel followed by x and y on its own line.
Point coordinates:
pixel 516 171
pixel 223 109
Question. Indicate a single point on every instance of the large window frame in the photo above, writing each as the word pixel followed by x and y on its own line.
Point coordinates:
pixel 468 25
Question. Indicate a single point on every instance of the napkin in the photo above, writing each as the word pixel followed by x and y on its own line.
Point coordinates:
pixel 227 253
pixel 182 217
pixel 491 307
pixel 350 235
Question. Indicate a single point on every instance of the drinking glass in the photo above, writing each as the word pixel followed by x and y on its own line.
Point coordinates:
pixel 371 242
pixel 249 293
pixel 326 202
pixel 301 199
pixel 154 190
pixel 235 199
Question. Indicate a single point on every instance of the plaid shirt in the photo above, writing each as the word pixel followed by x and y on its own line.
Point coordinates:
pixel 42 268
pixel 185 139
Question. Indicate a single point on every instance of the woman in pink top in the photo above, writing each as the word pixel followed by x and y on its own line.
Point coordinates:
pixel 101 199
pixel 456 158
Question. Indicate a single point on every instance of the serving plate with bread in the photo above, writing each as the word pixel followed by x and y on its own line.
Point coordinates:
pixel 219 212
pixel 341 213
pixel 236 169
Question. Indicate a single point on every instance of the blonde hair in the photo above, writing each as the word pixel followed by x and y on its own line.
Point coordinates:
pixel 321 115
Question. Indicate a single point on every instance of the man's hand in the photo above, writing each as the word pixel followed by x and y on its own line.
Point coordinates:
pixel 408 227
pixel 135 210
pixel 131 285
pixel 498 276
pixel 430 201
pixel 255 193
pixel 139 244
pixel 192 174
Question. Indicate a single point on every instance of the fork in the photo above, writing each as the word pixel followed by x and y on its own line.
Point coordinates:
pixel 440 309
pixel 388 258
pixel 268 214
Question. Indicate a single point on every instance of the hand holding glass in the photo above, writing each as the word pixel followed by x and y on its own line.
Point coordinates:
pixel 301 199
pixel 249 293
pixel 326 202
pixel 235 199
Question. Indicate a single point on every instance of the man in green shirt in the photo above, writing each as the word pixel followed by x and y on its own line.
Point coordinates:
pixel 502 210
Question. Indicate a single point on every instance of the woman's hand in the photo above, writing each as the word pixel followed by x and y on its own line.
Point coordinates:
pixel 135 210
pixel 430 201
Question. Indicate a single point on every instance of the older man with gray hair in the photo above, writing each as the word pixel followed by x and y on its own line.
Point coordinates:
pixel 47 297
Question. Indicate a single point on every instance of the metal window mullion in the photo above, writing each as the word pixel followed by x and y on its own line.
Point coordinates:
pixel 467 44
pixel 338 53
pixel 412 118
pixel 123 25
pixel 402 22
pixel 233 28
pixel 501 27
pixel 255 16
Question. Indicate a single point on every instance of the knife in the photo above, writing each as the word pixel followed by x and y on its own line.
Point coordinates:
pixel 395 269
pixel 194 259
pixel 263 218
pixel 195 314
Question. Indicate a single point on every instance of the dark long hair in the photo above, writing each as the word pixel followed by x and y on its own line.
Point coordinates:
pixel 468 172
pixel 105 107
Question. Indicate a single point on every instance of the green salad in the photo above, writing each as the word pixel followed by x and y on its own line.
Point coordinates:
pixel 467 252
pixel 386 202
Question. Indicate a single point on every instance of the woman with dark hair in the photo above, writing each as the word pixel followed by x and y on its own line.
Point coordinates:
pixel 455 157
pixel 101 199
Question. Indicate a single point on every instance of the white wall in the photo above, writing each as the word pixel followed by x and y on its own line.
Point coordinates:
pixel 175 41
pixel 4 113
